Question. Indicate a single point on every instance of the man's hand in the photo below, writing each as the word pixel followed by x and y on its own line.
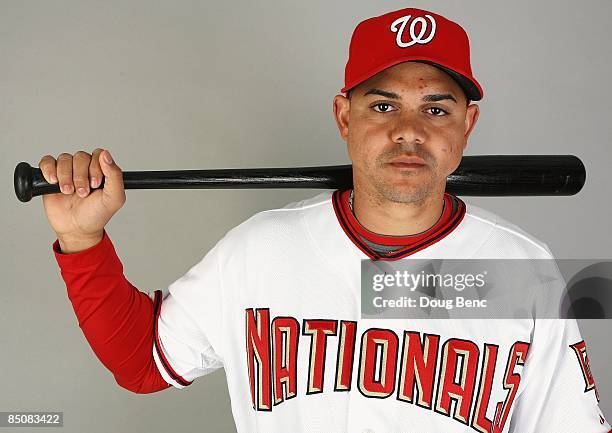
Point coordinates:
pixel 78 215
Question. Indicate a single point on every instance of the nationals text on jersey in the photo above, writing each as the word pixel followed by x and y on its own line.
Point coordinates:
pixel 272 355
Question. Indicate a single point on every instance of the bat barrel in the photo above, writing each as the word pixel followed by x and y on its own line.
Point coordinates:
pixel 518 175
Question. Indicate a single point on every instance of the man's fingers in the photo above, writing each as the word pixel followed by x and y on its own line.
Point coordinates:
pixel 48 169
pixel 83 171
pixel 113 191
pixel 80 172
pixel 64 173
pixel 95 171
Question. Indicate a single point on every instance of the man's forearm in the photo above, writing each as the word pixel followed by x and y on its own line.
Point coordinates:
pixel 115 317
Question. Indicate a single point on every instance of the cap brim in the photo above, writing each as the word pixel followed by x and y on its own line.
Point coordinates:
pixel 466 84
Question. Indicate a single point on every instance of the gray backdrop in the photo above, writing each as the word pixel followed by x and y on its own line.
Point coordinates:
pixel 186 85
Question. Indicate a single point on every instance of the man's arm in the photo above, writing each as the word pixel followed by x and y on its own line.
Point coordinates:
pixel 116 318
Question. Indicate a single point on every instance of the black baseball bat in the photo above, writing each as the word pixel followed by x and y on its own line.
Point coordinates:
pixel 483 175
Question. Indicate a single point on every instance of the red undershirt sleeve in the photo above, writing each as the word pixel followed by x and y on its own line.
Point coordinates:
pixel 116 318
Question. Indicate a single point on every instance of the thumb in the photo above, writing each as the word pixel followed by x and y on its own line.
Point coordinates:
pixel 113 193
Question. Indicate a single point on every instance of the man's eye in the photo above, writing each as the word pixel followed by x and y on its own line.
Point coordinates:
pixel 382 107
pixel 437 111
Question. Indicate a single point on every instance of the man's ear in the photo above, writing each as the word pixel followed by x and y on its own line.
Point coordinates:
pixel 471 117
pixel 342 106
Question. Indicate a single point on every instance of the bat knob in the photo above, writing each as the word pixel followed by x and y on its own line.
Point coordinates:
pixel 23 181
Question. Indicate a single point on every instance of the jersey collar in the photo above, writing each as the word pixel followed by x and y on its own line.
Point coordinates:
pixel 454 211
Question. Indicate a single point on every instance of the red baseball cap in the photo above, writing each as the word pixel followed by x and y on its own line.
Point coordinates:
pixel 410 35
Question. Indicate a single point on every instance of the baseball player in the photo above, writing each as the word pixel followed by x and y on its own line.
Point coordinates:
pixel 276 301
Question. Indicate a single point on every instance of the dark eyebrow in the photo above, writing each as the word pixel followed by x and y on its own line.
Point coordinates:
pixel 384 93
pixel 439 97
pixel 427 98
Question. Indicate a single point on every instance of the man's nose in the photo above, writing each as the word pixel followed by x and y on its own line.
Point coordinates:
pixel 408 128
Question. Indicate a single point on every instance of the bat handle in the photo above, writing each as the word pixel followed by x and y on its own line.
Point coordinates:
pixel 29 182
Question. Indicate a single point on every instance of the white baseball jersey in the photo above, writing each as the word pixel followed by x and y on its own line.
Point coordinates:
pixel 276 303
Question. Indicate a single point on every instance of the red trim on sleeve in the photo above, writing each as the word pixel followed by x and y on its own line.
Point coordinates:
pixel 173 374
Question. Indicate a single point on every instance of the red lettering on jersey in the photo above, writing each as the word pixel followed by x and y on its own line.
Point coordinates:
pixel 285 334
pixel 480 421
pixel 318 331
pixel 585 366
pixel 418 367
pixel 517 356
pixel 272 357
pixel 258 357
pixel 457 378
pixel 346 352
pixel 377 373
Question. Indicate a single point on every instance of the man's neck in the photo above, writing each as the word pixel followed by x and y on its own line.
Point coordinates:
pixel 389 218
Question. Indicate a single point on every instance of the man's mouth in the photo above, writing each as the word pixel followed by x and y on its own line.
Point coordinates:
pixel 407 162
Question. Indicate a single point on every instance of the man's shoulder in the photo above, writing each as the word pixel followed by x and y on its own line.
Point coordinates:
pixel 499 234
pixel 315 202
pixel 287 218
pixel 293 211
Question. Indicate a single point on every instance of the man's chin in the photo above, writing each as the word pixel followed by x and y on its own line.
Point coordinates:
pixel 404 186
pixel 405 191
pixel 408 181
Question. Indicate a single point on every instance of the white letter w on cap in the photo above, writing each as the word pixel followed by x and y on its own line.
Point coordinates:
pixel 414 38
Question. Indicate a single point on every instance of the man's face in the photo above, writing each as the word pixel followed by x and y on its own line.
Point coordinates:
pixel 408 111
